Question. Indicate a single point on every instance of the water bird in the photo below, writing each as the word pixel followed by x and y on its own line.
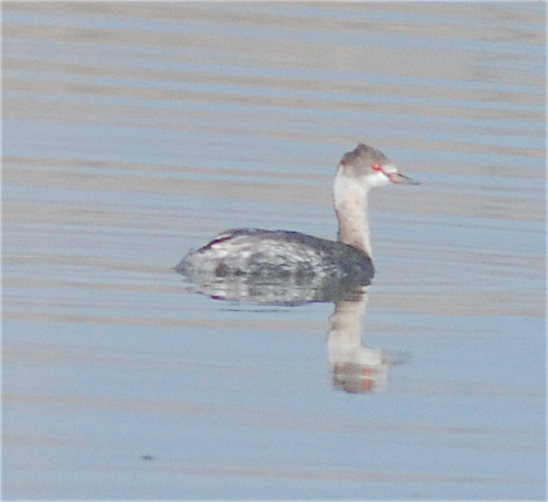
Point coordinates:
pixel 259 254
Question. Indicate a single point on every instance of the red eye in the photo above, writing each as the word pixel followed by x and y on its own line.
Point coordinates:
pixel 376 167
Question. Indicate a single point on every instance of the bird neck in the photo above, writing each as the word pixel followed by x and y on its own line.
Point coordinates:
pixel 350 201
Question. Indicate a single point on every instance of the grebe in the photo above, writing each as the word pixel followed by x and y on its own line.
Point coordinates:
pixel 277 254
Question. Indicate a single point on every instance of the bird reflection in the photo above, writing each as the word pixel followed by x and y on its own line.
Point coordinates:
pixel 355 368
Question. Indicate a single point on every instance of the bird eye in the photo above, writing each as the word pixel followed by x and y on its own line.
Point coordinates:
pixel 376 167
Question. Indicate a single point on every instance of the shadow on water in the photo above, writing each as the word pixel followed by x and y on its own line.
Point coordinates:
pixel 355 368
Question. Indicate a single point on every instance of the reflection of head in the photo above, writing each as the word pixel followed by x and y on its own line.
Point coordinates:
pixel 352 378
pixel 356 378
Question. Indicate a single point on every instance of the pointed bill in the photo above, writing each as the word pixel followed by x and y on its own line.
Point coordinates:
pixel 400 178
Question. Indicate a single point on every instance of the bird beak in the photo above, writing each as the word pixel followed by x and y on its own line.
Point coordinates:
pixel 396 177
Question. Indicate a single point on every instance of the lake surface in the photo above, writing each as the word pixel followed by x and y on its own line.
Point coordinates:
pixel 133 132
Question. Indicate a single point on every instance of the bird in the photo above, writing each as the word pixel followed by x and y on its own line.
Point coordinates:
pixel 280 254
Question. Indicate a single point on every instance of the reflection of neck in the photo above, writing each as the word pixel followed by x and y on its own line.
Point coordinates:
pixel 355 368
pixel 350 201
pixel 344 335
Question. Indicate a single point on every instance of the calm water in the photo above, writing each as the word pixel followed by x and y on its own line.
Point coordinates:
pixel 133 132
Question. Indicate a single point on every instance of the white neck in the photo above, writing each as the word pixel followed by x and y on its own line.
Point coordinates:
pixel 350 201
